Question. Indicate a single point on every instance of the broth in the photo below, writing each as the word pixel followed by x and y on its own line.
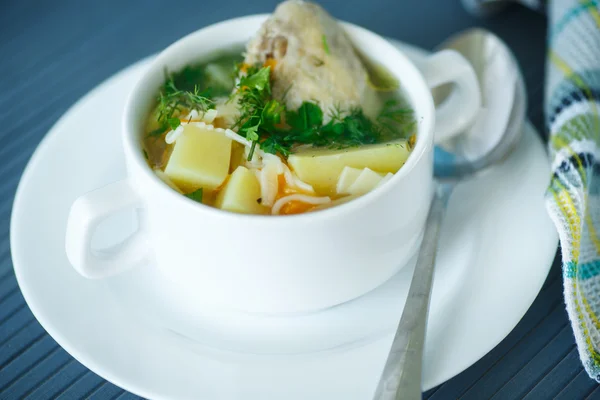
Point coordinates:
pixel 229 133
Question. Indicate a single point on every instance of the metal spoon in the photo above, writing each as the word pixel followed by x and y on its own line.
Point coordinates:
pixel 500 124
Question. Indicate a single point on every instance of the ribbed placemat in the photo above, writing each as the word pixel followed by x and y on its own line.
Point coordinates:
pixel 52 53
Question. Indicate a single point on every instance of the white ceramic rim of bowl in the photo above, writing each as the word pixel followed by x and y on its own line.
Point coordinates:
pixel 132 145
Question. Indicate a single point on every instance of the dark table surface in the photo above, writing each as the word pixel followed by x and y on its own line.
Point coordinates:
pixel 53 52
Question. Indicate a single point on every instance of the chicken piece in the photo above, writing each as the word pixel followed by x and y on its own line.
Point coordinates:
pixel 314 60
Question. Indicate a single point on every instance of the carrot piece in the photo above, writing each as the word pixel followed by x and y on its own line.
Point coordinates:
pixel 271 62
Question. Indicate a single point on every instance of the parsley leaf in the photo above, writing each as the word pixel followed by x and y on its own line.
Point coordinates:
pixel 252 133
pixel 258 80
pixel 195 195
pixel 308 116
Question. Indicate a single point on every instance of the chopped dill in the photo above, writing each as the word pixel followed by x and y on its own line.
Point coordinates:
pixel 191 88
pixel 254 91
pixel 172 101
pixel 266 122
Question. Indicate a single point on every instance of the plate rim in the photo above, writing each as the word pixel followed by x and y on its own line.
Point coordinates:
pixel 87 361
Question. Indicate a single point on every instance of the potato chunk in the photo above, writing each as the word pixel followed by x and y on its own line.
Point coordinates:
pixel 200 159
pixel 241 193
pixel 322 168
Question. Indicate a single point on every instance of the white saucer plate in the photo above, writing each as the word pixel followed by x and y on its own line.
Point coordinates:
pixel 496 248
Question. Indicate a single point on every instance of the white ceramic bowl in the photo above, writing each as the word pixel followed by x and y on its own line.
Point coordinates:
pixel 273 264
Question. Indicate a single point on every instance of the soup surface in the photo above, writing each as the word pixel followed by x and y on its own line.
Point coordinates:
pixel 298 122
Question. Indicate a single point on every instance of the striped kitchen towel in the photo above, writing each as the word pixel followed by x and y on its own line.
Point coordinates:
pixel 573 120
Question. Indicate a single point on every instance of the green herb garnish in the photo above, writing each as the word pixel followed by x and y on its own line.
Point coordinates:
pixel 174 123
pixel 258 80
pixel 173 100
pixel 307 118
pixel 254 90
pixel 195 195
pixel 325 46
pixel 252 135
pixel 274 144
pixel 266 122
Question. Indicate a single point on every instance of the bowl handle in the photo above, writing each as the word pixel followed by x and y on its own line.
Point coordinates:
pixel 87 212
pixel 461 107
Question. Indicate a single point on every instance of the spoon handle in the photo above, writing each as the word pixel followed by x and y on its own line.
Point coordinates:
pixel 401 377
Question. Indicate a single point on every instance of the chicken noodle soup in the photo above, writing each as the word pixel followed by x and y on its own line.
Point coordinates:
pixel 300 122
